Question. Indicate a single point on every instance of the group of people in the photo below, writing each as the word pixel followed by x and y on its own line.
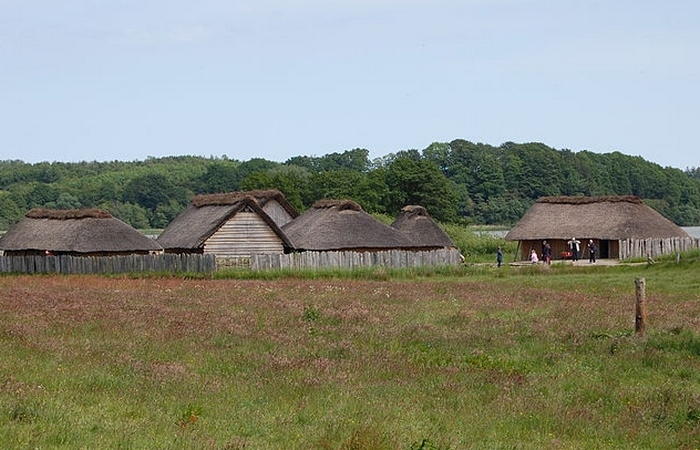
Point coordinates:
pixel 546 254
pixel 575 247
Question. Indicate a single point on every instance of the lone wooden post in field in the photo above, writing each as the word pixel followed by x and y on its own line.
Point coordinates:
pixel 640 318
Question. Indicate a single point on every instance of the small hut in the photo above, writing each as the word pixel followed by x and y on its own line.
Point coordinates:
pixel 228 225
pixel 342 225
pixel 611 222
pixel 415 222
pixel 81 232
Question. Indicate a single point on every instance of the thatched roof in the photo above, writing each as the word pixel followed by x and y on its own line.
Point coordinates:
pixel 75 231
pixel 415 222
pixel 205 215
pixel 611 218
pixel 342 225
pixel 262 197
pixel 67 214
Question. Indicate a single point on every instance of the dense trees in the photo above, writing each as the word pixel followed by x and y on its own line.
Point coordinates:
pixel 356 160
pixel 455 181
pixel 413 180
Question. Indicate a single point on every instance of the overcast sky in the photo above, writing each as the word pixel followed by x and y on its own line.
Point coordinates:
pixel 86 80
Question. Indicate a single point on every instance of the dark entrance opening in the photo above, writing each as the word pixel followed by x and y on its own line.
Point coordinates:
pixel 604 250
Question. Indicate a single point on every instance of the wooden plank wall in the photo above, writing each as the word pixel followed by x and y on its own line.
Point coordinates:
pixel 108 264
pixel 244 234
pixel 643 248
pixel 350 260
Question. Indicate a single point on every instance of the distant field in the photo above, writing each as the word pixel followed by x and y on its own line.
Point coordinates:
pixel 529 358
pixel 693 231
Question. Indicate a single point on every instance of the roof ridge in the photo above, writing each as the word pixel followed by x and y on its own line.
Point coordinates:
pixel 231 198
pixel 582 200
pixel 341 205
pixel 68 214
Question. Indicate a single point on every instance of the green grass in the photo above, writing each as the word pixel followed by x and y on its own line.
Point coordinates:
pixel 478 247
pixel 469 357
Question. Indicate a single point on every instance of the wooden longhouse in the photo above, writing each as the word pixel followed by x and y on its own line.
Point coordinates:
pixel 230 225
pixel 338 233
pixel 621 227
pixel 331 225
pixel 83 232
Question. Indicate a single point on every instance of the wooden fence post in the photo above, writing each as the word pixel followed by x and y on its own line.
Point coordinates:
pixel 640 317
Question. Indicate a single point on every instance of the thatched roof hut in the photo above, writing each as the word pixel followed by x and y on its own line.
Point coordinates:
pixel 605 220
pixel 74 232
pixel 228 225
pixel 332 225
pixel 415 222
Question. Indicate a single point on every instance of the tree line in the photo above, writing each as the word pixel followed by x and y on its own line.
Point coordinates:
pixel 458 182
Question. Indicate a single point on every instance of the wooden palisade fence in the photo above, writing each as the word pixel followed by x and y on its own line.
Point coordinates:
pixel 643 248
pixel 350 260
pixel 108 264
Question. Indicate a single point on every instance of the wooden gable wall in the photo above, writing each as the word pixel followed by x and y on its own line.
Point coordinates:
pixel 244 234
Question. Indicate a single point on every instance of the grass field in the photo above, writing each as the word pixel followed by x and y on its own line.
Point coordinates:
pixel 476 357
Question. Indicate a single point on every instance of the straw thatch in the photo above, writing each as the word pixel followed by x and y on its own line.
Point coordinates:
pixel 86 231
pixel 415 222
pixel 66 214
pixel 343 225
pixel 609 218
pixel 262 197
pixel 205 215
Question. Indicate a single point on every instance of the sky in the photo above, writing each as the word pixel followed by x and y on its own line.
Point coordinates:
pixel 86 80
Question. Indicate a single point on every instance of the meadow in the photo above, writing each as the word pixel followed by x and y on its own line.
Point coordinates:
pixel 464 358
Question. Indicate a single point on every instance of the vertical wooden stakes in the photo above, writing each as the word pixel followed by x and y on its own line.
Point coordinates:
pixel 640 313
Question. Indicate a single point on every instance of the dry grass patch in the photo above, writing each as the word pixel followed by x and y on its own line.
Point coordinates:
pixel 525 361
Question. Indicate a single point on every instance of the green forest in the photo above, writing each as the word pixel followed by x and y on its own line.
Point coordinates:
pixel 458 182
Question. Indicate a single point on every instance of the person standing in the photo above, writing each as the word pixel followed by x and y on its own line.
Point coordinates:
pixel 574 247
pixel 547 252
pixel 591 251
pixel 499 257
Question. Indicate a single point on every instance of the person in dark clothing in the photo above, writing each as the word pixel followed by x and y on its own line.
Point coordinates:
pixel 499 257
pixel 591 251
pixel 547 252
